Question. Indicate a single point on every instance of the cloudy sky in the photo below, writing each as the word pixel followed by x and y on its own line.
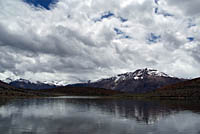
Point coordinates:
pixel 78 40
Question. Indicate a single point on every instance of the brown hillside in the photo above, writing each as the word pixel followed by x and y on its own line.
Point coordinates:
pixel 187 89
pixel 82 91
pixel 190 84
pixel 12 92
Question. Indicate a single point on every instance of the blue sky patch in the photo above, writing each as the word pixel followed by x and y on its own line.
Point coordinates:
pixel 156 1
pixel 156 10
pixel 127 37
pixel 167 14
pixel 190 39
pixel 107 15
pixel 118 31
pixel 41 3
pixel 123 19
pixel 122 35
pixel 162 12
pixel 191 23
pixel 153 38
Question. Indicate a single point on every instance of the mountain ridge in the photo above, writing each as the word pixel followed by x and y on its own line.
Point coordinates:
pixel 27 84
pixel 139 81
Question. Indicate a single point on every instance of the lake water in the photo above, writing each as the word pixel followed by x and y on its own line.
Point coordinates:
pixel 97 116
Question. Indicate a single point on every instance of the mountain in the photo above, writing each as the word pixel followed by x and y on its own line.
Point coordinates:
pixel 4 86
pixel 140 81
pixel 13 92
pixel 8 91
pixel 26 84
pixel 181 90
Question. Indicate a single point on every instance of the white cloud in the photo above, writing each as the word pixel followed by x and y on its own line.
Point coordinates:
pixel 66 41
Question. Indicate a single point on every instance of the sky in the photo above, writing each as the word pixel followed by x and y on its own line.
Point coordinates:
pixel 81 40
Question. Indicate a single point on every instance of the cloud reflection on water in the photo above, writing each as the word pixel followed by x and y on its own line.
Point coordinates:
pixel 73 116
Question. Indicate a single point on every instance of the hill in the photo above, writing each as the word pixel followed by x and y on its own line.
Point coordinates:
pixel 12 92
pixel 184 90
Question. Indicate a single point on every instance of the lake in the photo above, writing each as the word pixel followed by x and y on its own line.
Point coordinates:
pixel 97 116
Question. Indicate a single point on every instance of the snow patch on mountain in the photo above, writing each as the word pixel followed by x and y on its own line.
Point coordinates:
pixel 8 80
pixel 55 83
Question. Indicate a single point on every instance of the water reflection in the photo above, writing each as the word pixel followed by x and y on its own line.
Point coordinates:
pixel 94 116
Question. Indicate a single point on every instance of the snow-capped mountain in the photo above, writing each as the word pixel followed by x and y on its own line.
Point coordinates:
pixel 28 84
pixel 140 74
pixel 8 80
pixel 139 81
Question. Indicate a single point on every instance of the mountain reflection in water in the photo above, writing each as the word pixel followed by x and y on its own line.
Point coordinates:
pixel 94 116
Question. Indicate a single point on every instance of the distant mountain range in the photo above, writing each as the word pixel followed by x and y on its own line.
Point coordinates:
pixel 27 84
pixel 139 81
pixel 8 91
pixel 12 92
pixel 152 83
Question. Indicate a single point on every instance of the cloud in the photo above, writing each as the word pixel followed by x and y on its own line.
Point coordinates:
pixel 190 8
pixel 65 40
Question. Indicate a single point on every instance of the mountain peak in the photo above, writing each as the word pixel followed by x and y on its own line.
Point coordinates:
pixel 150 72
pixel 7 80
pixel 140 74
pixel 23 80
pixel 139 81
